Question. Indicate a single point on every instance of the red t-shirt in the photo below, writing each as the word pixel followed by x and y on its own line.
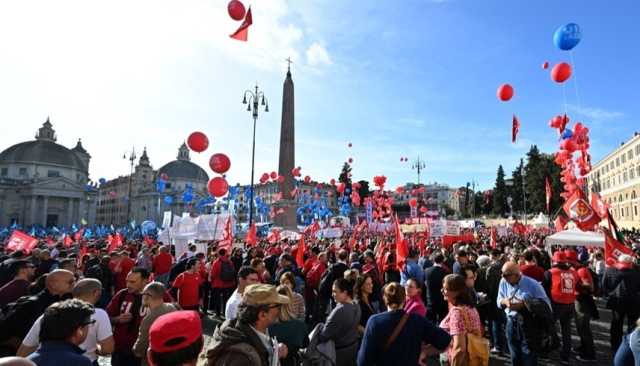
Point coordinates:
pixel 162 263
pixel 121 271
pixel 188 285
pixel 533 270
pixel 125 334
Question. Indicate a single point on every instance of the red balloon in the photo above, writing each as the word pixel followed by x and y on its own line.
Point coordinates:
pixel 505 92
pixel 307 179
pixel 423 209
pixel 333 182
pixel 350 145
pixel 350 160
pixel 164 176
pixel 198 142
pixel 218 187
pixel 219 163
pixel 545 65
pixel 413 202
pixel 281 179
pixel 236 10
pixel 561 72
pixel 340 188
pixel 274 175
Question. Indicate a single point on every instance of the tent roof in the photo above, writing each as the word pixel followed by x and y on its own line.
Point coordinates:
pixel 575 237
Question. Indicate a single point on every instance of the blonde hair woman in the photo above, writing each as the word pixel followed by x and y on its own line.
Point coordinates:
pixel 297 301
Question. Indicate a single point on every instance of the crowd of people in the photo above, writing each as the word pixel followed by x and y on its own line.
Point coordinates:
pixel 342 302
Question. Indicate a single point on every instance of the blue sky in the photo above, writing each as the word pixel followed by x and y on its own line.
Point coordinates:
pixel 402 78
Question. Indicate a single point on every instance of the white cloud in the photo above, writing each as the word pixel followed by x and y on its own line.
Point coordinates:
pixel 595 114
pixel 317 55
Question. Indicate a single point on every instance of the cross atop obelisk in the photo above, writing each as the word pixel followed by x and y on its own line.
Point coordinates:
pixel 289 62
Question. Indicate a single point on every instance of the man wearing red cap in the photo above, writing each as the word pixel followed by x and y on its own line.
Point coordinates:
pixel 586 307
pixel 560 283
pixel 175 339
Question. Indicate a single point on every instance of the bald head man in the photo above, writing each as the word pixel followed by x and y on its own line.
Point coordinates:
pixel 60 282
pixel 511 272
pixel 15 361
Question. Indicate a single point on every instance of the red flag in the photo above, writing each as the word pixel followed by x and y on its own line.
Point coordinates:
pixel 613 249
pixel 21 241
pixel 548 193
pixel 252 236
pixel 82 253
pixel 581 212
pixel 274 236
pixel 300 252
pixel 227 236
pixel 78 235
pixel 50 241
pixel 67 242
pixel 519 228
pixel 515 128
pixel 312 229
pixel 493 240
pixel 380 259
pixel 402 249
pixel 560 223
pixel 114 242
pixel 601 208
pixel 149 241
pixel 243 32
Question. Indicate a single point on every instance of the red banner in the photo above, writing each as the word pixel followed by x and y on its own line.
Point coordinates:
pixel 21 241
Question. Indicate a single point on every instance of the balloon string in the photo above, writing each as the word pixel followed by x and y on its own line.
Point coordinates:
pixel 564 98
pixel 575 78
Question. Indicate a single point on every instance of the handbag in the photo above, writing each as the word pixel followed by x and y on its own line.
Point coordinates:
pixel 477 345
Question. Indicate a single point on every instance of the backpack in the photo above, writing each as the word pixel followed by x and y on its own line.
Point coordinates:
pixel 539 327
pixel 227 273
pixel 11 314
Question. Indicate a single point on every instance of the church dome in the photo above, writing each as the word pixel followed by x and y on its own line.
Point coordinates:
pixel 43 150
pixel 183 168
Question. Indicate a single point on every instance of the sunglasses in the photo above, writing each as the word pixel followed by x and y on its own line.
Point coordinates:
pixel 92 321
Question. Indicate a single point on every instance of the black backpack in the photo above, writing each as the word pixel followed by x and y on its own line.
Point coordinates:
pixel 539 327
pixel 227 273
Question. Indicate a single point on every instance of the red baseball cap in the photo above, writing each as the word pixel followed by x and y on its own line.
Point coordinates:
pixel 571 255
pixel 559 257
pixel 174 331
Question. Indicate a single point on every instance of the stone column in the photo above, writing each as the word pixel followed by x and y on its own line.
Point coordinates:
pixel 69 212
pixel 33 209
pixel 45 207
pixel 78 214
pixel 82 211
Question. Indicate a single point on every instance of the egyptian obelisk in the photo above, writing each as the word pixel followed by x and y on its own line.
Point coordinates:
pixel 287 219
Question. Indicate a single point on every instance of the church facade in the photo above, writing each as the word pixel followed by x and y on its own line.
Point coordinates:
pixel 147 203
pixel 45 183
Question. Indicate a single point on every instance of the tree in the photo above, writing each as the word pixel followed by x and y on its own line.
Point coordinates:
pixel 500 194
pixel 345 175
pixel 515 191
pixel 364 191
pixel 487 202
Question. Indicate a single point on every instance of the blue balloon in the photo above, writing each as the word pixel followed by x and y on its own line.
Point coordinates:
pixel 168 200
pixel 567 37
pixel 148 227
pixel 567 134
pixel 102 181
pixel 160 185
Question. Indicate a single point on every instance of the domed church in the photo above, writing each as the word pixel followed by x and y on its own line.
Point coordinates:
pixel 45 183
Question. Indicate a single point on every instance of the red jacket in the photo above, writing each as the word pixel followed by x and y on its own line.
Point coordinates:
pixel 214 275
pixel 315 275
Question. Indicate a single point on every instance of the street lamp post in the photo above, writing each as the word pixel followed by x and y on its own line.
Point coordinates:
pixel 419 166
pixel 131 158
pixel 253 99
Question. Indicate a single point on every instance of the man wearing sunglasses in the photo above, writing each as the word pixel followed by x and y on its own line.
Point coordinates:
pixel 513 290
pixel 65 325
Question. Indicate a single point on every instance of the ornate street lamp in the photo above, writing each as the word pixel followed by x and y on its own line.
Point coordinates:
pixel 253 99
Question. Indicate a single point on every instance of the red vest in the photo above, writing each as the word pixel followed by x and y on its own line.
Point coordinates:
pixel 563 285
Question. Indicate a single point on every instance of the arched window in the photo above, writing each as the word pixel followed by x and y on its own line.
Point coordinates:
pixel 620 198
pixel 633 195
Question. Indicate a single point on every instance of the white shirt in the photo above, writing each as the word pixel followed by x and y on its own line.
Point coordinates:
pixel 231 310
pixel 98 331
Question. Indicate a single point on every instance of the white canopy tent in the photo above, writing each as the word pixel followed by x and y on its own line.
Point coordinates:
pixel 574 237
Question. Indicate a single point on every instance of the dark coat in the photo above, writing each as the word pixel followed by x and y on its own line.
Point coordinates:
pixel 236 344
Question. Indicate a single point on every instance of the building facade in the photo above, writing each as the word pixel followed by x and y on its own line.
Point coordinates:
pixel 436 197
pixel 617 178
pixel 147 202
pixel 44 183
